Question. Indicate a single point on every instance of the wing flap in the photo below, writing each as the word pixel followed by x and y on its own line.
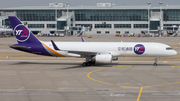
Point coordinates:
pixel 82 52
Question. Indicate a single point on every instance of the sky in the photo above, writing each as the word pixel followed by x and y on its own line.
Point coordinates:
pixel 18 3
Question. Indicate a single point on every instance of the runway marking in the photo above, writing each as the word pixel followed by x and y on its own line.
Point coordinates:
pixel 175 66
pixel 165 61
pixel 107 82
pixel 139 93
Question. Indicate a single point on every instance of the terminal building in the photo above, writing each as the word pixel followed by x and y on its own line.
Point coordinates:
pixel 103 18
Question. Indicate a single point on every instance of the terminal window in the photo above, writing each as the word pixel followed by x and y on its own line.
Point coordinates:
pixel 126 32
pixel 172 15
pixel 102 25
pixel 35 25
pixel 122 25
pixel 85 25
pixel 140 25
pixel 50 25
pixel 171 24
pixel 36 15
pixel 98 32
pixel 61 25
pixel 154 25
pixel 107 32
pixel 111 15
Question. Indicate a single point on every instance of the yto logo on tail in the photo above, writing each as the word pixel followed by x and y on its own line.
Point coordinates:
pixel 139 49
pixel 21 32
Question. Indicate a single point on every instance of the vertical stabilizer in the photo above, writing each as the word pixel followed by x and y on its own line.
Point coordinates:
pixel 23 35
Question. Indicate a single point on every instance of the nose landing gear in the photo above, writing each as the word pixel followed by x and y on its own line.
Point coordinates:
pixel 155 63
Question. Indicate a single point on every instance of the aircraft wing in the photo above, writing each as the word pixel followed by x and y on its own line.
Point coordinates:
pixel 82 52
pixel 89 53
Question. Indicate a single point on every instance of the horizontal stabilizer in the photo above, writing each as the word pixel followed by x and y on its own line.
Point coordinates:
pixel 20 47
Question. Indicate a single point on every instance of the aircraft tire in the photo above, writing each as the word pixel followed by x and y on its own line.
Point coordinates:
pixel 92 62
pixel 155 64
pixel 88 63
pixel 84 64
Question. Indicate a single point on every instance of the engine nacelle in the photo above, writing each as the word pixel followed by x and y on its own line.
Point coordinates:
pixel 103 58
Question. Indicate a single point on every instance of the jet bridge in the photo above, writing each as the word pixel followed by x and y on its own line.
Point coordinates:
pixel 171 30
pixel 80 30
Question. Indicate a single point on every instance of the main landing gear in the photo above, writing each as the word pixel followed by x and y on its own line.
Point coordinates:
pixel 155 63
pixel 88 62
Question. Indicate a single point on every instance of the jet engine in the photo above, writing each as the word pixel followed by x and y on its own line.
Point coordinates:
pixel 103 58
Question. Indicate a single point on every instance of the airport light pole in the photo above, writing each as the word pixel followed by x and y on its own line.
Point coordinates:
pixel 56 16
pixel 67 3
pixel 160 16
pixel 148 16
pixel 2 22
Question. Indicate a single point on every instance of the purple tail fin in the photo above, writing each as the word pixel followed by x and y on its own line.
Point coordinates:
pixel 23 35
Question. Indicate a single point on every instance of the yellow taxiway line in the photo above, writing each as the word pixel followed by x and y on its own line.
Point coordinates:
pixel 141 88
pixel 175 66
pixel 107 82
pixel 140 93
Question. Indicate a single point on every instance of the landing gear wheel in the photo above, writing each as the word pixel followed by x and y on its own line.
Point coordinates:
pixel 92 62
pixel 84 64
pixel 155 64
pixel 88 63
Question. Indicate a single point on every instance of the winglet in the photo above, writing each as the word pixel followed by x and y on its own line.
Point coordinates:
pixel 54 45
pixel 82 39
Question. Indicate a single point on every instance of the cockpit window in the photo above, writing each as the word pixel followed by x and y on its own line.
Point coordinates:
pixel 169 48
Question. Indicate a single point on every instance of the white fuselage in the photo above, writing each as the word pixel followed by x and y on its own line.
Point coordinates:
pixel 117 49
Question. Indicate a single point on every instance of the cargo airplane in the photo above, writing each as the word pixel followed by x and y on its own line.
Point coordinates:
pixel 94 52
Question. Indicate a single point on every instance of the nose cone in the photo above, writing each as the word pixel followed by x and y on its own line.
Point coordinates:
pixel 174 52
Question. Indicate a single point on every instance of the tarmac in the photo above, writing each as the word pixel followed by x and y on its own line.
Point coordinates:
pixel 28 77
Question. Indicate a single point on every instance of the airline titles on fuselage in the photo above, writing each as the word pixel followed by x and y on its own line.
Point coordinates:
pixel 138 49
pixel 125 48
